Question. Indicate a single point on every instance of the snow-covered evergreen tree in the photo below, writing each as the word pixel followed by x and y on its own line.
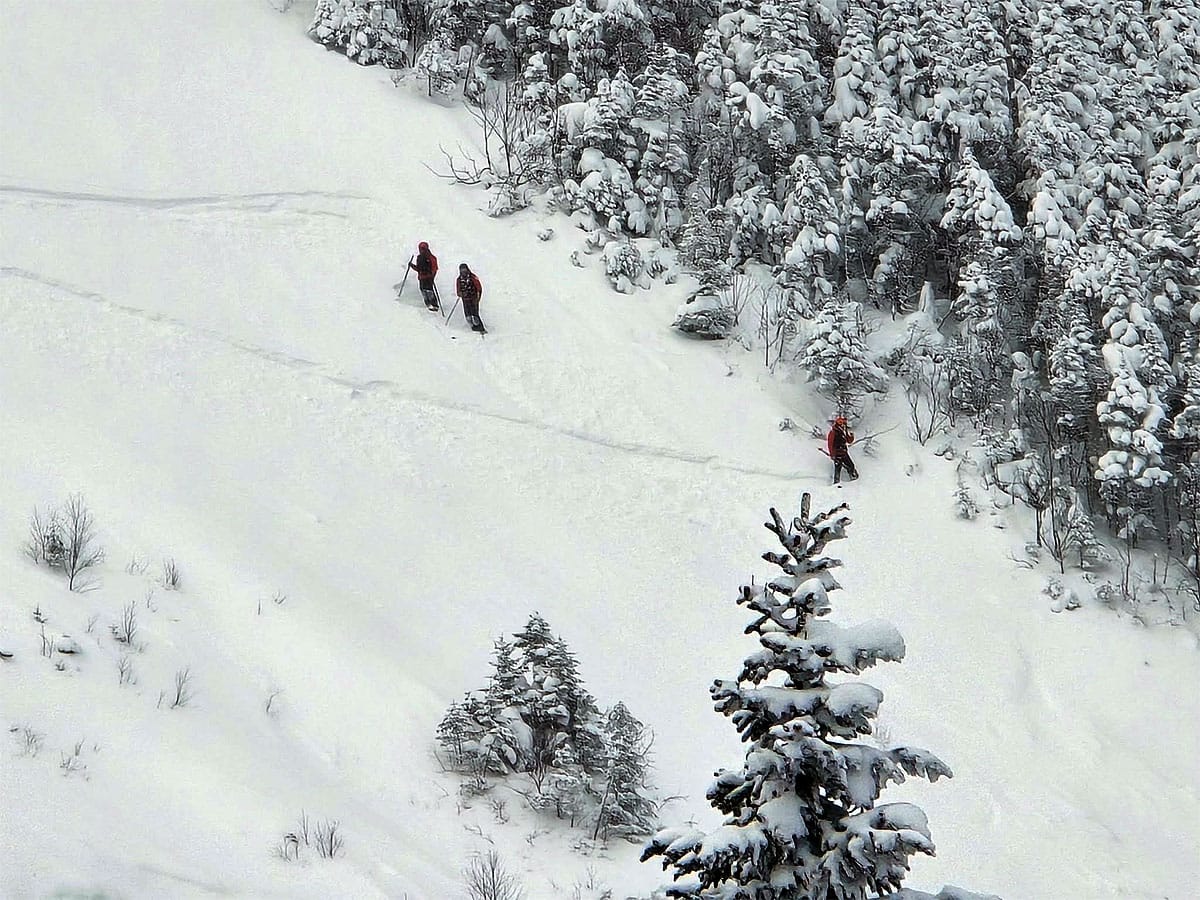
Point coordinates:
pixel 576 30
pixel 367 31
pixel 802 818
pixel 1133 412
pixel 809 228
pixel 1076 376
pixel 703 251
pixel 437 63
pixel 624 807
pixel 660 101
pixel 837 358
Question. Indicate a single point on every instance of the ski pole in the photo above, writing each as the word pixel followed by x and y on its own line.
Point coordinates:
pixel 452 309
pixel 404 280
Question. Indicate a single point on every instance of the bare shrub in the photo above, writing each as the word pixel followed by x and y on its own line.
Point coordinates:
pixel 45 544
pixel 171 579
pixel 590 887
pixel 126 629
pixel 183 688
pixel 136 566
pixel 288 848
pixel 507 166
pixel 71 762
pixel 499 810
pixel 125 674
pixel 486 878
pixel 65 539
pixel 31 741
pixel 327 838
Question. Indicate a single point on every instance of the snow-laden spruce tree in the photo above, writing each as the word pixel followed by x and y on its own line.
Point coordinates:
pixel 836 357
pixel 367 31
pixel 810 231
pixel 801 814
pixel 624 807
pixel 1133 411
pixel 660 102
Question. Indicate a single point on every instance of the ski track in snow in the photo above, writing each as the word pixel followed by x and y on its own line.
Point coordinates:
pixel 266 202
pixel 193 883
pixel 396 392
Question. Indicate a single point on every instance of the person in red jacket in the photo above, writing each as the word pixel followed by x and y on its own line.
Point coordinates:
pixel 425 265
pixel 838 441
pixel 470 291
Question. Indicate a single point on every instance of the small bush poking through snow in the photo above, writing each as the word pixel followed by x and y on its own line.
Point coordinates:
pixel 125 631
pixel 486 878
pixel 624 265
pixel 964 502
pixel 325 838
pixel 183 688
pixel 125 673
pixel 707 316
pixel 65 539
pixel 31 741
pixel 71 762
pixel 171 579
pixel 1061 596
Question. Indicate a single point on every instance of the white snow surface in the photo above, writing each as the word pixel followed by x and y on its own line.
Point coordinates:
pixel 202 214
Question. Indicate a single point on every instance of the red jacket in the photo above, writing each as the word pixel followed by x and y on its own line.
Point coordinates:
pixel 425 266
pixel 838 440
pixel 469 289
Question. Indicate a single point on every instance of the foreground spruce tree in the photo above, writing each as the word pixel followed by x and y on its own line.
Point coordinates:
pixel 801 816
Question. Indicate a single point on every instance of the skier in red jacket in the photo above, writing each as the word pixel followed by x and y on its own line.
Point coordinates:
pixel 425 265
pixel 469 290
pixel 838 441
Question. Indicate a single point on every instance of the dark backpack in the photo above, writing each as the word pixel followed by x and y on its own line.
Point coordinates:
pixel 426 266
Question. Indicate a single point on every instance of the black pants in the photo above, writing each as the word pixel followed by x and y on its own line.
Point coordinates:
pixel 471 309
pixel 428 294
pixel 843 459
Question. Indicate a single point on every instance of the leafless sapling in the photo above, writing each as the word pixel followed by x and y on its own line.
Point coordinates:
pixel 79 550
pixel 486 878
pixel 327 837
pixel 126 629
pixel 183 688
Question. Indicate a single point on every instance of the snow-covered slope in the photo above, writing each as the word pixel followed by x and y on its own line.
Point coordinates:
pixel 202 216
